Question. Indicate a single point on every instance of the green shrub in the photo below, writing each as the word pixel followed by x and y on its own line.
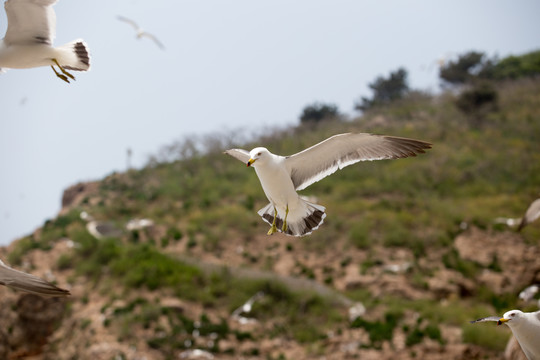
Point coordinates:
pixel 21 248
pixel 501 302
pixel 175 233
pixel 318 112
pixel 514 67
pixel 379 330
pixel 359 235
pixel 487 335
pixel 418 333
pixel 477 101
pixel 64 262
pixel 451 260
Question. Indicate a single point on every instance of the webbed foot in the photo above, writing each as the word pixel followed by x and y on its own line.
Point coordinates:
pixel 273 229
pixel 65 75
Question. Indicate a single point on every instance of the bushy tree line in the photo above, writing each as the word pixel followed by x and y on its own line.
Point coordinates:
pixel 385 90
pixel 317 112
pixel 474 66
pixel 472 73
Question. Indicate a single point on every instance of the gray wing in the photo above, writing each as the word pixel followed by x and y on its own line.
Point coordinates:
pixel 153 38
pixel 528 293
pixel 489 318
pixel 532 213
pixel 107 229
pixel 28 283
pixel 339 151
pixel 240 154
pixel 129 21
pixel 30 21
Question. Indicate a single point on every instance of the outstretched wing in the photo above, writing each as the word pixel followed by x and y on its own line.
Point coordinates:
pixel 30 21
pixel 153 38
pixel 489 318
pixel 532 213
pixel 129 21
pixel 240 154
pixel 339 151
pixel 29 283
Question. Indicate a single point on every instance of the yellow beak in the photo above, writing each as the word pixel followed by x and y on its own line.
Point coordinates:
pixel 502 320
pixel 250 162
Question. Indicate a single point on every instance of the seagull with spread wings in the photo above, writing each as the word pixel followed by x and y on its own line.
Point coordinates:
pixel 526 329
pixel 28 283
pixel 140 33
pixel 282 176
pixel 29 38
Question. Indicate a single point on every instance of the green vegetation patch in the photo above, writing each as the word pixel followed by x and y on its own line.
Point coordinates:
pixel 379 330
pixel 491 337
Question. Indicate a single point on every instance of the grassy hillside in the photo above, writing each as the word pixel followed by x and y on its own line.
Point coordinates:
pixel 409 211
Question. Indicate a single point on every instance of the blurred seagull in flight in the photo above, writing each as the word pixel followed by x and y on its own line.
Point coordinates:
pixel 528 293
pixel 282 176
pixel 532 213
pixel 246 309
pixel 140 32
pixel 100 229
pixel 28 283
pixel 524 326
pixel 29 38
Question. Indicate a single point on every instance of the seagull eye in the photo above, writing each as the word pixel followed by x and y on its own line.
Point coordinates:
pixel 258 154
pixel 512 315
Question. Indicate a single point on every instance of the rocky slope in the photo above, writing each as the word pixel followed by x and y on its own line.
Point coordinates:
pixel 89 324
pixel 407 256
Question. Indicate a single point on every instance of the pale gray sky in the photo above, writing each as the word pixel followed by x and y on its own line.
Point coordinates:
pixel 227 64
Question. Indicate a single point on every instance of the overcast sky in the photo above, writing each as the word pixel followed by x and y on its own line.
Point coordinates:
pixel 227 65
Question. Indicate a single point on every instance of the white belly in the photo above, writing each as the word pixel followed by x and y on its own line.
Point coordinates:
pixel 24 57
pixel 278 187
pixel 527 336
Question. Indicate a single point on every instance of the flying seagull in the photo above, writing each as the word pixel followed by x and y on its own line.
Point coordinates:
pixel 29 38
pixel 524 326
pixel 246 308
pixel 282 176
pixel 528 293
pixel 100 229
pixel 140 32
pixel 28 283
pixel 532 213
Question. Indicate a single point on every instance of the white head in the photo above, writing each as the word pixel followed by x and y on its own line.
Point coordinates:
pixel 512 317
pixel 259 154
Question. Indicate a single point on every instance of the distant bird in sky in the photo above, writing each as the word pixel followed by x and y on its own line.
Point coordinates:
pixel 29 38
pixel 532 213
pixel 282 176
pixel 524 326
pixel 140 32
pixel 28 283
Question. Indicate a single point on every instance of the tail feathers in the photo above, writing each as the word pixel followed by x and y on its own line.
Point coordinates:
pixel 300 222
pixel 75 56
